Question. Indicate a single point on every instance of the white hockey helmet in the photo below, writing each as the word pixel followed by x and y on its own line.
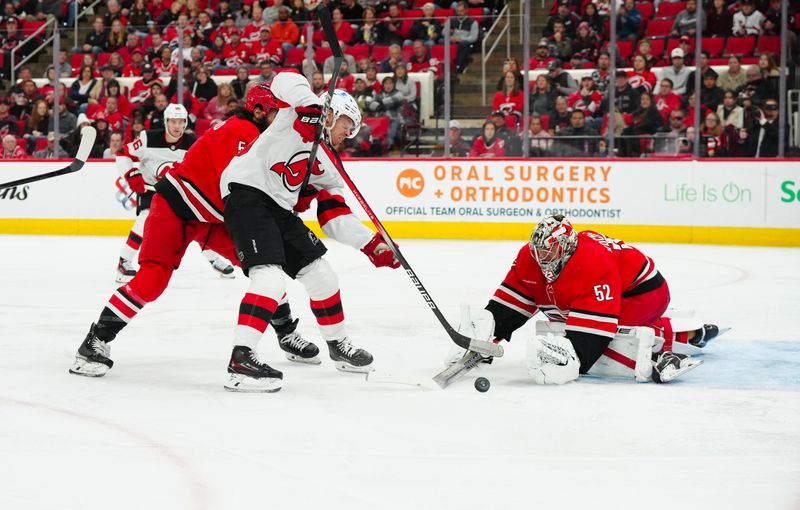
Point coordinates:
pixel 552 243
pixel 343 103
pixel 175 111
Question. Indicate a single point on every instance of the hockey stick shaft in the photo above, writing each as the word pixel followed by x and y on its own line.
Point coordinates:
pixel 325 20
pixel 479 346
pixel 88 135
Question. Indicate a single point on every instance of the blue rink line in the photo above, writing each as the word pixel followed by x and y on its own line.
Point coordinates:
pixel 745 364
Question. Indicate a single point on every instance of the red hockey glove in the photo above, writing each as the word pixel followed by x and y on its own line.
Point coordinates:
pixel 135 180
pixel 307 120
pixel 380 254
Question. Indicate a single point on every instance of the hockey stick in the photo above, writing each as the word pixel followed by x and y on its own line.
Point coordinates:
pixel 479 346
pixel 324 17
pixel 88 135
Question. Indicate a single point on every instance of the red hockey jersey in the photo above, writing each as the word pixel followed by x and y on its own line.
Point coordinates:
pixel 192 186
pixel 587 294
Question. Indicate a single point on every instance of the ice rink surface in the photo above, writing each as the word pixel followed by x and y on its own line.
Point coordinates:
pixel 159 432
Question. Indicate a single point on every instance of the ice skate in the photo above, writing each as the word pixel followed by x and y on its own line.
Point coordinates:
pixel 348 358
pixel 668 366
pixel 297 348
pixel 223 267
pixel 93 356
pixel 251 375
pixel 126 270
pixel 707 333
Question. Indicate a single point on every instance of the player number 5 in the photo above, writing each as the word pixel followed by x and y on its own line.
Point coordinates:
pixel 603 292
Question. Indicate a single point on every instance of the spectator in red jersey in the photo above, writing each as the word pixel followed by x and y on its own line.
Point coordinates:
pixel 587 100
pixel 542 57
pixel 690 110
pixel 543 96
pixel 641 79
pixel 131 44
pixel 11 150
pixel 510 99
pixel 134 69
pixel 236 53
pixel 666 100
pixel 165 65
pixel 181 25
pixel 141 89
pixel 427 28
pixel 218 106
pixel 421 61
pixel 344 30
pixel 252 30
pixel 116 36
pixel 265 49
pixel 488 144
pixel 286 33
pixel 346 80
pixel 111 115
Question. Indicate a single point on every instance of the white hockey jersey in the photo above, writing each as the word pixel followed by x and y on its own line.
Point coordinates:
pixel 277 161
pixel 152 154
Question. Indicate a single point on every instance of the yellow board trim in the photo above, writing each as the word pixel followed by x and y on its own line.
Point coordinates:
pixel 743 236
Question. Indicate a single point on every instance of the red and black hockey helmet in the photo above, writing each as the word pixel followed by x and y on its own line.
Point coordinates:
pixel 260 95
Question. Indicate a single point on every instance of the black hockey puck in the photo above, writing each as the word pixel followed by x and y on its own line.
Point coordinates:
pixel 482 384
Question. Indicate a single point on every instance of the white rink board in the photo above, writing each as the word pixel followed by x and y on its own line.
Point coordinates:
pixel 433 198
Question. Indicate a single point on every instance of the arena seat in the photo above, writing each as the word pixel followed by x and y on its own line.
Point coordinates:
pixel 657 47
pixel 295 56
pixel 41 144
pixel 673 43
pixel 358 51
pixel 91 109
pixel 625 49
pixel 646 11
pixel 659 28
pixel 740 46
pixel 225 71
pixel 437 51
pixel 713 45
pixel 202 126
pixel 668 10
pixel 379 53
pixel 770 44
pixel 321 54
pixel 103 59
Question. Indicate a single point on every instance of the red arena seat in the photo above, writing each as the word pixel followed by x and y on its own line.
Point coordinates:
pixel 770 44
pixel 646 10
pixel 668 10
pixel 295 56
pixel 713 45
pixel 320 54
pixel 740 46
pixel 659 28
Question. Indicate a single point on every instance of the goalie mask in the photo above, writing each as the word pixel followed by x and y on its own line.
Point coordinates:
pixel 552 244
pixel 343 103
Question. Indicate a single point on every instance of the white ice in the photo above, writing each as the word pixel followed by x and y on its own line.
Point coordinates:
pixel 159 432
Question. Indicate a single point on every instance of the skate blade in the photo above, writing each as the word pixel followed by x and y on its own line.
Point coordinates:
pixel 673 374
pixel 299 359
pixel 343 366
pixel 243 384
pixel 87 368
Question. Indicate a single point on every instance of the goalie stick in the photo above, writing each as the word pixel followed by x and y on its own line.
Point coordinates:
pixel 88 135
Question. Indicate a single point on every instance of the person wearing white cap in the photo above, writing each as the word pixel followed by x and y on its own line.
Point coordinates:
pixel 459 148
pixel 677 72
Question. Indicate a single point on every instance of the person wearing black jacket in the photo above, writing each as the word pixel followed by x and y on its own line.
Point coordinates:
pixel 646 121
pixel 761 138
pixel 711 95
pixel 626 99
pixel 579 141
pixel 96 41
pixel 203 87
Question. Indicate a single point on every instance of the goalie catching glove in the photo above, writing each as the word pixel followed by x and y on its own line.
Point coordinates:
pixel 135 180
pixel 552 359
pixel 308 118
pixel 379 253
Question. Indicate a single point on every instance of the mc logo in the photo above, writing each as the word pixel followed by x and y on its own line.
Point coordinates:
pixel 410 182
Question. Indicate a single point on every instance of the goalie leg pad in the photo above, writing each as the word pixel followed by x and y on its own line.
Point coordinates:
pixel 552 359
pixel 629 353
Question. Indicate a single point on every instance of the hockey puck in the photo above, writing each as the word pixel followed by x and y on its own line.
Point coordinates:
pixel 482 384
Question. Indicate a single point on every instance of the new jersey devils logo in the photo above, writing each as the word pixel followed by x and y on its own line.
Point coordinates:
pixel 293 172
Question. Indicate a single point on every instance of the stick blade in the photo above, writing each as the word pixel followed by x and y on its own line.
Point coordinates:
pixel 88 135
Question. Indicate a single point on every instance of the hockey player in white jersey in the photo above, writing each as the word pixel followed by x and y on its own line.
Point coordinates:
pixel 143 162
pixel 261 187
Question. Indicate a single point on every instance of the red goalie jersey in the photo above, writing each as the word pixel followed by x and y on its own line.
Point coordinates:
pixel 600 286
